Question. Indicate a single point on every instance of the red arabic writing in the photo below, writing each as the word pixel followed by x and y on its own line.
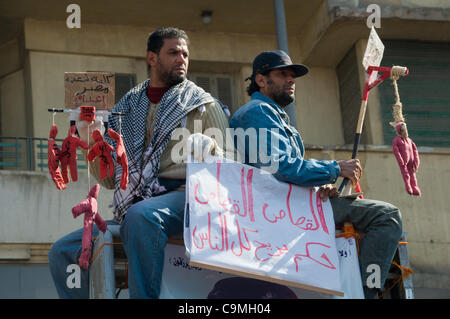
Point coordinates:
pixel 225 233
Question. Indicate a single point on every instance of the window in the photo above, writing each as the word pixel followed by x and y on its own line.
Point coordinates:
pixel 350 97
pixel 219 85
pixel 424 92
pixel 124 82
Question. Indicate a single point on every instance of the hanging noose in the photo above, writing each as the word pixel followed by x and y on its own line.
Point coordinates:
pixel 397 108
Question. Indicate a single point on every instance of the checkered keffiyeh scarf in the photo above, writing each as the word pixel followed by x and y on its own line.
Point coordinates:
pixel 143 165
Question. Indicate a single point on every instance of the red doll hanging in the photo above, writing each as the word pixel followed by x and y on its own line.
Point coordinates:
pixel 404 149
pixel 90 209
pixel 68 155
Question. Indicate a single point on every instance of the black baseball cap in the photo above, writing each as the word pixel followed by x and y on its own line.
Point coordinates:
pixel 278 59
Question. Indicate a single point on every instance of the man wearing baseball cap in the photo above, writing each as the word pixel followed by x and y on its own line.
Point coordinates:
pixel 272 88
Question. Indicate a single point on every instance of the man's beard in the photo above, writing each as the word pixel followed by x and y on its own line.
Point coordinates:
pixel 169 77
pixel 279 95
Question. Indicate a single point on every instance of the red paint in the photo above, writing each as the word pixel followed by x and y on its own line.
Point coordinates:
pixel 277 218
pixel 250 195
pixel 267 249
pixel 324 262
pixel 247 246
pixel 323 223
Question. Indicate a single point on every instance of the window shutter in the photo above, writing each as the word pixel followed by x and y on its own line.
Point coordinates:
pixel 350 96
pixel 424 92
pixel 224 91
pixel 204 83
pixel 124 82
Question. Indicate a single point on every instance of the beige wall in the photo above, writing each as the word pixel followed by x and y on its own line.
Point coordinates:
pixel 12 104
pixel 11 57
pixel 12 89
pixel 131 41
pixel 318 109
pixel 34 211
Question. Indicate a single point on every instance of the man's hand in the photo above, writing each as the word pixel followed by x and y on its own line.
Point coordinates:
pixel 351 169
pixel 328 191
pixel 200 146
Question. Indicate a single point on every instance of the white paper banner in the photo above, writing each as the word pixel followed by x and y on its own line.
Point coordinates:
pixel 241 220
pixel 374 53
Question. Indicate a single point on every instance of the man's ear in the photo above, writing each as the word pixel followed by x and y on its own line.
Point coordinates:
pixel 152 58
pixel 260 80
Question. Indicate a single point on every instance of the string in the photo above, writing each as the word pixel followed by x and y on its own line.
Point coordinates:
pixel 88 168
pixel 120 125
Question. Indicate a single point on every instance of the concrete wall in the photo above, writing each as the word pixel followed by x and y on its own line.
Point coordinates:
pixel 12 89
pixel 318 109
pixel 12 104
pixel 34 211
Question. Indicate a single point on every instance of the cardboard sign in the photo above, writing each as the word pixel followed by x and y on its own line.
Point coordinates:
pixel 243 221
pixel 374 53
pixel 89 89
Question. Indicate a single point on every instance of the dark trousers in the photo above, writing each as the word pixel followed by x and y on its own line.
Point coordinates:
pixel 382 225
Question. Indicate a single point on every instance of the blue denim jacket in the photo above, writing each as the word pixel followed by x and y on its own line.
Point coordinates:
pixel 263 113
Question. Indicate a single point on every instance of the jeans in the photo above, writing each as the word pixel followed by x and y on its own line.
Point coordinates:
pixel 382 227
pixel 144 231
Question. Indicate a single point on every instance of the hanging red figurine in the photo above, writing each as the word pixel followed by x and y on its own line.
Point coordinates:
pixel 53 153
pixel 404 149
pixel 68 155
pixel 122 159
pixel 407 156
pixel 90 209
pixel 103 150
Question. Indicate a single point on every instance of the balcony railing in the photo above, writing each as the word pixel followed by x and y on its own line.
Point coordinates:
pixel 29 153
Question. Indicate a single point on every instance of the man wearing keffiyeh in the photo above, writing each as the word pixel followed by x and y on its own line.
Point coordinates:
pixel 151 208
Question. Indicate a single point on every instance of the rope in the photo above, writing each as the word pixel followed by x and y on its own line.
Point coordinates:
pixel 405 272
pixel 396 72
pixel 349 232
pixel 120 125
pixel 88 168
pixel 99 249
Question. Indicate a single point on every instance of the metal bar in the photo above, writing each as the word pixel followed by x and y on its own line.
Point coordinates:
pixel 404 262
pixel 282 40
pixel 40 154
pixel 17 152
pixel 280 22
pixel 101 271
pixel 29 147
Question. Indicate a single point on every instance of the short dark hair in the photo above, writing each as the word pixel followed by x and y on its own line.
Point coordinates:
pixel 156 39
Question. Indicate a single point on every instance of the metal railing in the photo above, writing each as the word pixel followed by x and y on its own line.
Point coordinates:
pixel 29 153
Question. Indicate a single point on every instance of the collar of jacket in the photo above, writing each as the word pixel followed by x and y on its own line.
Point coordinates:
pixel 264 98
